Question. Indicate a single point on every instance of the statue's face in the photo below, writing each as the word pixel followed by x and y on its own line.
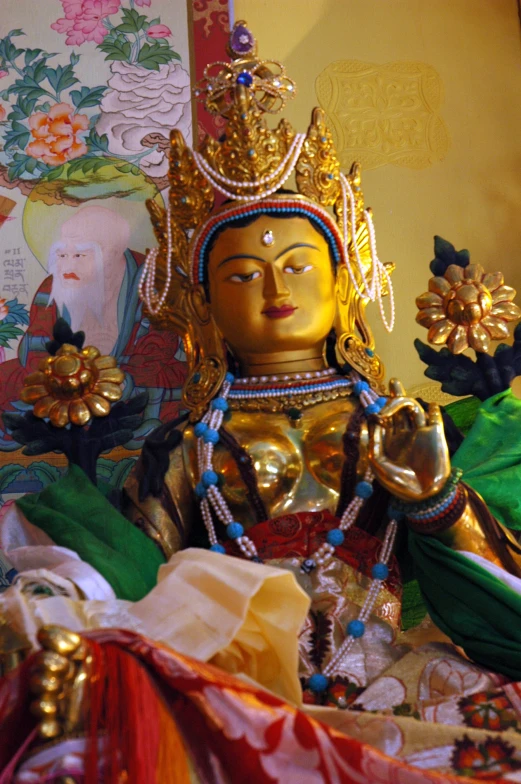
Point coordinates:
pixel 272 298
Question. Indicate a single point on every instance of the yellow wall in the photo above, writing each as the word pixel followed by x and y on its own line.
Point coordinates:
pixel 472 197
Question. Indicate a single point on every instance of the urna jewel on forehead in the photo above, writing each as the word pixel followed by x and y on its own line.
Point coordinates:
pixel 249 165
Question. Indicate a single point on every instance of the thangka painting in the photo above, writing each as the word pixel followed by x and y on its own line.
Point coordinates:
pixel 89 91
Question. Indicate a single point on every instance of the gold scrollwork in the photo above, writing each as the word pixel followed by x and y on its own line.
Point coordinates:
pixel 203 385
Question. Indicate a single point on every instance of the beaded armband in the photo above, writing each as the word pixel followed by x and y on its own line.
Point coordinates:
pixel 437 513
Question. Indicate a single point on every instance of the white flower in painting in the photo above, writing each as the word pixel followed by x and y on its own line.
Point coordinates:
pixel 140 103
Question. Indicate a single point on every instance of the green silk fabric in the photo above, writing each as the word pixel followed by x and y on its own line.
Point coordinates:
pixel 490 456
pixel 475 609
pixel 75 514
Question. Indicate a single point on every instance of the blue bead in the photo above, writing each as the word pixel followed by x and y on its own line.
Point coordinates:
pixel 364 490
pixel 369 352
pixel 234 530
pixel 335 537
pixel 355 628
pixel 217 548
pixel 360 386
pixel 381 401
pixel 209 478
pixel 200 490
pixel 372 408
pixel 380 571
pixel 318 682
pixel 395 514
pixel 219 404
pixel 230 378
pixel 200 429
pixel 197 378
pixel 245 78
pixel 210 436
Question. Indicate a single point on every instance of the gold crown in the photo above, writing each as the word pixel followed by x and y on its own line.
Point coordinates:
pixel 248 164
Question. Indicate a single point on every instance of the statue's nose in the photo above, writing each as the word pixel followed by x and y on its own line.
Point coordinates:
pixel 274 284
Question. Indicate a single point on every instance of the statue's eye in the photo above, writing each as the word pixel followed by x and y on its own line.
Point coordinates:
pixel 298 270
pixel 237 278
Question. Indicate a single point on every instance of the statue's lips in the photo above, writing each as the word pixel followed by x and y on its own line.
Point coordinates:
pixel 282 312
pixel 70 276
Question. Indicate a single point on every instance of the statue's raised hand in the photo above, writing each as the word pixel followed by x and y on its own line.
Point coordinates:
pixel 407 448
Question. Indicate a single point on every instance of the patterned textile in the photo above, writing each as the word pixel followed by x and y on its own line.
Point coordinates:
pixel 233 731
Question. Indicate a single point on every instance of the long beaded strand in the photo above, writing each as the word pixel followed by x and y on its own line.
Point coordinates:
pixel 207 490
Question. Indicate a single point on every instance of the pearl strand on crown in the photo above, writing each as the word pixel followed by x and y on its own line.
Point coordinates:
pixel 381 271
pixel 372 290
pixel 205 166
pixel 286 173
pixel 153 301
pixel 349 228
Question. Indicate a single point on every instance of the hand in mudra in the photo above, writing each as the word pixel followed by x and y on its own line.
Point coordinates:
pixel 407 447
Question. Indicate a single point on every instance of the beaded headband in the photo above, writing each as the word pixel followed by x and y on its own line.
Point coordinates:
pixel 318 216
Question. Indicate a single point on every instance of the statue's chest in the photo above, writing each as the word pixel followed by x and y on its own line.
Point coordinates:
pixel 295 469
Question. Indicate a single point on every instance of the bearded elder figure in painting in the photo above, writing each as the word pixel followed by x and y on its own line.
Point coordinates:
pixel 339 594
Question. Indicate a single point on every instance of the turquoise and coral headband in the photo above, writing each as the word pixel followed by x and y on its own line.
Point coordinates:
pixel 297 206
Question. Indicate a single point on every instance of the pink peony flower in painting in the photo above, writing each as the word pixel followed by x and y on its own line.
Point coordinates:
pixel 56 135
pixel 3 113
pixel 83 20
pixel 3 73
pixel 142 102
pixel 159 31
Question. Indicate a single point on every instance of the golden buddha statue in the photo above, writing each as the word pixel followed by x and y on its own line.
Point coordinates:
pixel 292 447
pixel 296 459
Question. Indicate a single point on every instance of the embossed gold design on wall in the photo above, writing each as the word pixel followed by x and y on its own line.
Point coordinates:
pixel 384 114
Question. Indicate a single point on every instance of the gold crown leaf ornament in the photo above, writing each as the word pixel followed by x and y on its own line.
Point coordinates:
pixel 249 165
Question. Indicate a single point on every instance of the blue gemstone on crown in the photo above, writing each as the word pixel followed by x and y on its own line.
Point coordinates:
pixel 245 78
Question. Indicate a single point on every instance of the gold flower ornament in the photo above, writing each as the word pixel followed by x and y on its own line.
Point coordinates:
pixel 73 386
pixel 467 307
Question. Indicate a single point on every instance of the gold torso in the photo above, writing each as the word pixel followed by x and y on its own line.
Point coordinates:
pixel 298 469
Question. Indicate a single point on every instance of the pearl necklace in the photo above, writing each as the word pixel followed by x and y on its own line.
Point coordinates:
pixel 278 379
pixel 288 389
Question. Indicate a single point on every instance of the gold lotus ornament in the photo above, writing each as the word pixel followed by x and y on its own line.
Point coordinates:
pixel 73 386
pixel 467 307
